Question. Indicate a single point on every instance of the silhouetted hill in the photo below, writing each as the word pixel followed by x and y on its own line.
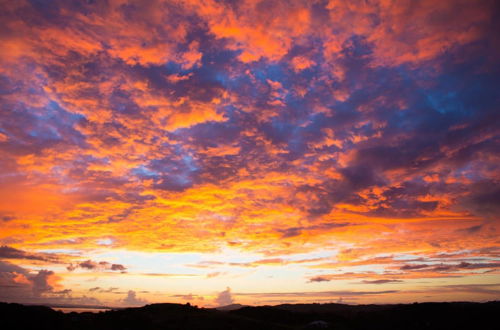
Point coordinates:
pixel 301 316
pixel 457 315
pixel 231 307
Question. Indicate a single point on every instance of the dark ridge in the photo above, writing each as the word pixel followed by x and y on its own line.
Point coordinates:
pixel 432 316
pixel 231 307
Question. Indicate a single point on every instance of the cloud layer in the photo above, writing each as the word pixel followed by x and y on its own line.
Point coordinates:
pixel 269 127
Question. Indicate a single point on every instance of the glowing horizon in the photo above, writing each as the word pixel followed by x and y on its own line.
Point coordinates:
pixel 255 152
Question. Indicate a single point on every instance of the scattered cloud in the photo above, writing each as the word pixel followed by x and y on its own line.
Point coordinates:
pixel 98 266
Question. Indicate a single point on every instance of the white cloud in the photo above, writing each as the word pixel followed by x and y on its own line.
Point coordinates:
pixel 224 298
pixel 133 300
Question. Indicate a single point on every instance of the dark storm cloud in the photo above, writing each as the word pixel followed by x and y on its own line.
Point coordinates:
pixel 7 252
pixel 97 266
pixel 380 281
pixel 472 229
pixel 296 231
pixel 451 267
pixel 316 294
pixel 484 197
pixel 319 279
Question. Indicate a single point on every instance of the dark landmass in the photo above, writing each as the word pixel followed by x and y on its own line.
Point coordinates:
pixel 458 315
pixel 231 307
pixel 78 306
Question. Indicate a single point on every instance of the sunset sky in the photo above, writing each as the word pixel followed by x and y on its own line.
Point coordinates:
pixel 253 152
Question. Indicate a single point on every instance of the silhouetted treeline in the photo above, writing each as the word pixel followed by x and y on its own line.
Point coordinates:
pixel 300 316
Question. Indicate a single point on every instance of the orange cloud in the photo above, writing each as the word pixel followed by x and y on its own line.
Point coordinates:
pixel 300 136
